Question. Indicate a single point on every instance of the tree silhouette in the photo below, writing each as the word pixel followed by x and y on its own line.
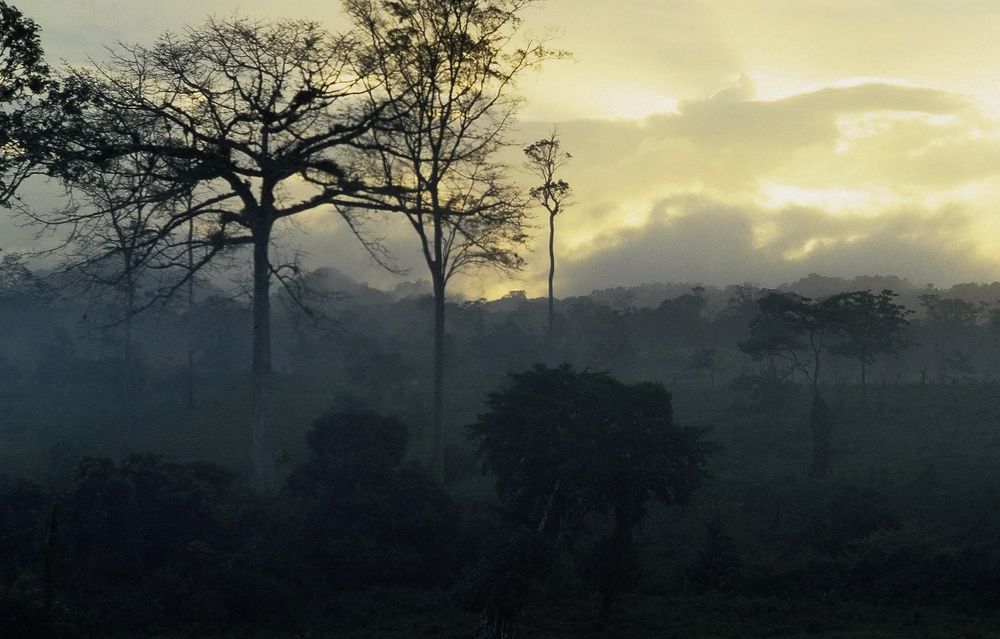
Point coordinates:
pixel 246 119
pixel 949 326
pixel 800 331
pixel 109 252
pixel 872 326
pixel 365 516
pixel 445 70
pixel 567 445
pixel 25 86
pixel 111 218
pixel 545 159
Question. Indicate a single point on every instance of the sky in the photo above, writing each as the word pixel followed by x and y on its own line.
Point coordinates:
pixel 713 141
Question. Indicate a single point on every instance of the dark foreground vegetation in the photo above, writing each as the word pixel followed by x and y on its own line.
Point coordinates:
pixel 608 508
pixel 901 541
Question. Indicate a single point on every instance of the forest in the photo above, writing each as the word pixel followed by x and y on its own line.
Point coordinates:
pixel 204 436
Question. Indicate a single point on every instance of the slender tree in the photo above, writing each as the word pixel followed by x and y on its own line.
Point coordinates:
pixel 247 118
pixel 446 69
pixel 545 159
pixel 189 372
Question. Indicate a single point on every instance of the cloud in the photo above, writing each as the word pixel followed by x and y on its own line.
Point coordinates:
pixel 728 144
pixel 713 140
pixel 630 58
pixel 718 243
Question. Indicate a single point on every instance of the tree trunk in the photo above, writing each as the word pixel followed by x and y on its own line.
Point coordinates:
pixel 130 387
pixel 552 275
pixel 822 428
pixel 263 443
pixel 864 382
pixel 127 345
pixel 190 322
pixel 189 373
pixel 437 454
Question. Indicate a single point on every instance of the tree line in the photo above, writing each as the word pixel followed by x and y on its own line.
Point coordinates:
pixel 758 347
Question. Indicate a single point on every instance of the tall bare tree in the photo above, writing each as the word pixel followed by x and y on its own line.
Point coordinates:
pixel 446 70
pixel 545 159
pixel 247 118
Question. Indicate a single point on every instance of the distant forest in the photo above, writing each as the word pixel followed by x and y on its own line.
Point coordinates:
pixel 367 343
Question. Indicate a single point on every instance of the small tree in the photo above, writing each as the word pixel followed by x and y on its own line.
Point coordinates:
pixel 564 445
pixel 112 216
pixel 872 326
pixel 800 331
pixel 949 325
pixel 363 516
pixel 703 361
pixel 545 159
pixel 108 252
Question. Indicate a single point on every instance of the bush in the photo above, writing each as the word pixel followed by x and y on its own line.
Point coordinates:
pixel 846 515
pixel 152 540
pixel 24 511
pixel 366 519
pixel 717 565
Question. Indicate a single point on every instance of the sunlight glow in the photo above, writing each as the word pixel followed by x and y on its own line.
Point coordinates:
pixel 632 103
pixel 836 200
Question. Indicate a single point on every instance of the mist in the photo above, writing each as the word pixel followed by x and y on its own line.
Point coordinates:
pixel 498 318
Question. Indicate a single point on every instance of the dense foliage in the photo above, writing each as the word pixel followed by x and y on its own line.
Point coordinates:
pixel 570 449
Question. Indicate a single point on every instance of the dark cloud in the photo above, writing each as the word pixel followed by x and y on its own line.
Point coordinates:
pixel 715 243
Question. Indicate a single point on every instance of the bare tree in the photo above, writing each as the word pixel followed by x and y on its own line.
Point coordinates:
pixel 112 216
pixel 545 159
pixel 249 120
pixel 446 69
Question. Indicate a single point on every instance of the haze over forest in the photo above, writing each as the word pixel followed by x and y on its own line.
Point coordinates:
pixel 491 319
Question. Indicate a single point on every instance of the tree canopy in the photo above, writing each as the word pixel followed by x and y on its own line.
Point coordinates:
pixel 565 445
pixel 25 79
